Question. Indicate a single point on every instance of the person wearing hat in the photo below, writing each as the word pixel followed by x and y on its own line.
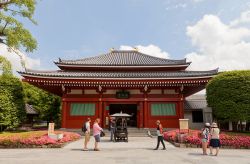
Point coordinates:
pixel 204 137
pixel 159 132
pixel 215 139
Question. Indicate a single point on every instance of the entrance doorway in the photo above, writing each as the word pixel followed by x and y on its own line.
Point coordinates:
pixel 130 109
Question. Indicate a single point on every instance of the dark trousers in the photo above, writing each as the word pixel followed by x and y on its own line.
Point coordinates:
pixel 160 139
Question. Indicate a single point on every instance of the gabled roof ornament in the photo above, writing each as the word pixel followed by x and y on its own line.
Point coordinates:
pixel 136 49
pixel 111 49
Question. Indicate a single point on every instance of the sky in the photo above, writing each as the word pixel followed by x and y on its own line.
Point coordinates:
pixel 210 33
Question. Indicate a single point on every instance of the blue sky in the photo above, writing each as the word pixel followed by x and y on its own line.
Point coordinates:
pixel 81 28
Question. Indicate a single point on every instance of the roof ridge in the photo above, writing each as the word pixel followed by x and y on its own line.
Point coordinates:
pixel 134 58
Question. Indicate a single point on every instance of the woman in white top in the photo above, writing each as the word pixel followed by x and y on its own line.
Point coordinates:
pixel 205 136
pixel 215 139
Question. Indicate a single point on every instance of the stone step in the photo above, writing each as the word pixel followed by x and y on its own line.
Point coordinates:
pixel 132 132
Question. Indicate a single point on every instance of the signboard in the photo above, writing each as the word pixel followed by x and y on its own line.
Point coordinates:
pixel 122 95
pixel 51 128
pixel 183 124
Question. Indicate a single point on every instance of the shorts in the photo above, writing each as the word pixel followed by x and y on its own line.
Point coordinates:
pixel 214 143
pixel 204 140
pixel 87 137
pixel 97 138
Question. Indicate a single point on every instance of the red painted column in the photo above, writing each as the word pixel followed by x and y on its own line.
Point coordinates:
pixel 141 115
pixel 100 109
pixel 64 113
pixel 181 107
pixel 145 111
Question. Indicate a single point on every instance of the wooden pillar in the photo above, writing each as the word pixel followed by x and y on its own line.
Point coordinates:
pixel 145 111
pixel 181 107
pixel 64 113
pixel 141 115
pixel 100 110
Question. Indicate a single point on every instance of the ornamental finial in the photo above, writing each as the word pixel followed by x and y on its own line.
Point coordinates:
pixel 136 49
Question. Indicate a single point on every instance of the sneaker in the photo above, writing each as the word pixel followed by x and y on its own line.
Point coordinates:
pixel 155 149
pixel 164 148
pixel 96 149
pixel 85 149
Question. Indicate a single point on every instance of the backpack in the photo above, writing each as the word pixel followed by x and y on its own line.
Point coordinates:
pixel 84 128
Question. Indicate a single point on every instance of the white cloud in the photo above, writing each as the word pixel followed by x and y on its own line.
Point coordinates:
pixel 15 59
pixel 149 50
pixel 218 45
pixel 176 6
pixel 196 1
pixel 243 19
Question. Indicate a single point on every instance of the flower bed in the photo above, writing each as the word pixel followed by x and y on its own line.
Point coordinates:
pixel 191 139
pixel 35 139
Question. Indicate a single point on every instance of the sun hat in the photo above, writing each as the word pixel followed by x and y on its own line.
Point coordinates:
pixel 214 125
pixel 207 124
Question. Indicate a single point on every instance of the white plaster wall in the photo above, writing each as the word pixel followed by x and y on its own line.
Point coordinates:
pixel 75 91
pixel 89 91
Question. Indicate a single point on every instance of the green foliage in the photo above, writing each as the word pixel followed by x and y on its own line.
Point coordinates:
pixel 229 96
pixel 12 111
pixel 12 32
pixel 47 104
pixel 5 66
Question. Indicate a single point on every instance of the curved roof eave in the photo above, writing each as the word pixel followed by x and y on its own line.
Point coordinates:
pixel 119 66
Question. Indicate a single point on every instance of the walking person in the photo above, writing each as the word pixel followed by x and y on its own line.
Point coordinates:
pixel 205 138
pixel 215 139
pixel 86 131
pixel 159 132
pixel 96 133
pixel 112 128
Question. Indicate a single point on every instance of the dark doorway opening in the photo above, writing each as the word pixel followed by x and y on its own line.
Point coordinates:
pixel 130 109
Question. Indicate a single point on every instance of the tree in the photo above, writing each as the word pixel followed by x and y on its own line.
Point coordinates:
pixel 229 96
pixel 5 66
pixel 12 31
pixel 47 104
pixel 12 109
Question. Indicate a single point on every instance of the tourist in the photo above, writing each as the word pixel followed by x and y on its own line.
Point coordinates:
pixel 86 131
pixel 215 139
pixel 205 137
pixel 112 128
pixel 96 133
pixel 159 135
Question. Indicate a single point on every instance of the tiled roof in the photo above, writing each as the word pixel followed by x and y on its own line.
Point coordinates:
pixel 123 58
pixel 29 109
pixel 100 74
pixel 195 102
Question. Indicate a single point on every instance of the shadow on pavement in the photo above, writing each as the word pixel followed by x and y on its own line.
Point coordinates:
pixel 196 154
pixel 77 149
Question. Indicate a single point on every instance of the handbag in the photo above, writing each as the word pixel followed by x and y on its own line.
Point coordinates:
pixel 102 134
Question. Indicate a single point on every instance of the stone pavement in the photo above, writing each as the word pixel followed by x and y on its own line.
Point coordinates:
pixel 137 151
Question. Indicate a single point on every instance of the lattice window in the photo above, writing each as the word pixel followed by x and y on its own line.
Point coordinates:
pixel 82 109
pixel 166 109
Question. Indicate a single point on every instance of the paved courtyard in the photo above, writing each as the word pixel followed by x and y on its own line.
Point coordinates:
pixel 137 151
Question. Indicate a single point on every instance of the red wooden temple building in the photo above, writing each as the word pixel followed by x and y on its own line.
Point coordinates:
pixel 146 87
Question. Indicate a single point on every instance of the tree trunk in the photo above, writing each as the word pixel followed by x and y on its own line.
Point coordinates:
pixel 230 125
pixel 248 126
pixel 235 126
pixel 241 127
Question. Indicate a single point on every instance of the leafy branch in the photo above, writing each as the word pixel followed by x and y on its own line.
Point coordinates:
pixel 12 31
